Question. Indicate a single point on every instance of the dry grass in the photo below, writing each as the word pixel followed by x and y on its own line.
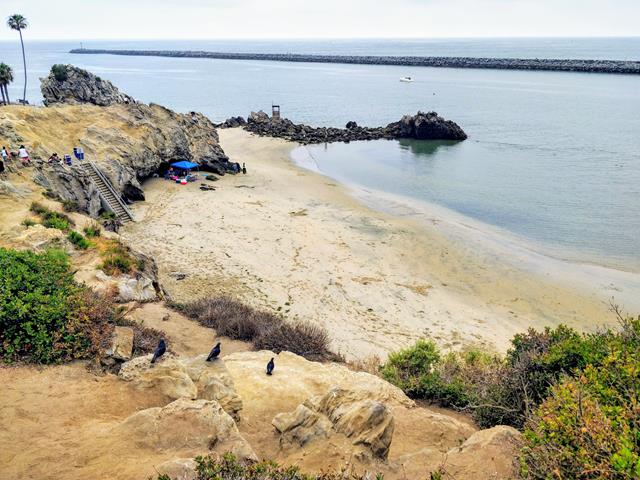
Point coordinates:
pixel 267 331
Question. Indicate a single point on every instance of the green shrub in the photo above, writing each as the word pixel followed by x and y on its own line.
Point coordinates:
pixel 93 230
pixel 78 240
pixel 60 72
pixel 117 259
pixel 51 219
pixel 413 369
pixel 500 391
pixel 29 222
pixel 589 425
pixel 45 316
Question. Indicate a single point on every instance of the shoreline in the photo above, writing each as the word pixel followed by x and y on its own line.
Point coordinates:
pixel 505 246
pixel 558 65
pixel 297 243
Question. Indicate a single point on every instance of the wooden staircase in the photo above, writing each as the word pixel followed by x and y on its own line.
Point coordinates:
pixel 107 193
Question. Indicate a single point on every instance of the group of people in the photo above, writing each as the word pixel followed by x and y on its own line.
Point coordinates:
pixel 5 155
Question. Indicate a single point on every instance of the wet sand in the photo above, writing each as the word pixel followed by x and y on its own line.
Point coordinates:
pixel 293 241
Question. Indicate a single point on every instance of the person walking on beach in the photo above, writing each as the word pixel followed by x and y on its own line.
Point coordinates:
pixel 24 155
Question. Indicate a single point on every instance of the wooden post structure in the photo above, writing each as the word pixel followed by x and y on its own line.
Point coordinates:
pixel 275 111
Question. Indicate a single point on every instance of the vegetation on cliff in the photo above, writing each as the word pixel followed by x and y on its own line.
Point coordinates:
pixel 45 316
pixel 576 396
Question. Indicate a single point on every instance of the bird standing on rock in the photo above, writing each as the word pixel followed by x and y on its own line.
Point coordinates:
pixel 160 349
pixel 215 351
pixel 270 367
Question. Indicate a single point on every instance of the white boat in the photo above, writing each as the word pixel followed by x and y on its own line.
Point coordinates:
pixel 406 79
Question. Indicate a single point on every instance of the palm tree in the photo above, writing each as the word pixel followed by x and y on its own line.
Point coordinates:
pixel 19 23
pixel 6 77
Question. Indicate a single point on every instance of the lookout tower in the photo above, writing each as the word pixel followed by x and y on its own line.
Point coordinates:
pixel 275 111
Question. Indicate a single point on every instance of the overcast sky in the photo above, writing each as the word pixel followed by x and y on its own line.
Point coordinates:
pixel 201 19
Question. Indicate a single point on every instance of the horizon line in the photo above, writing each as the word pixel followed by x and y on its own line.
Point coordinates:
pixel 478 37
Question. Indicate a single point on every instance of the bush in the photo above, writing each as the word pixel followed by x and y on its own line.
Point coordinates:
pixel 228 468
pixel 45 316
pixel 305 339
pixel 51 219
pixel 117 259
pixel 29 222
pixel 78 240
pixel 265 330
pixel 498 391
pixel 93 230
pixel 60 72
pixel 589 426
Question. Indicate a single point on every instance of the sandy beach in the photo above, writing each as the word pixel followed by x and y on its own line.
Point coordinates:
pixel 295 242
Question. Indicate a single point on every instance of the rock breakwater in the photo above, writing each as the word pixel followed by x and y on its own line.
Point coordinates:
pixel 422 126
pixel 564 65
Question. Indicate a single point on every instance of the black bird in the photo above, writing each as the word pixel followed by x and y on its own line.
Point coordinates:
pixel 270 367
pixel 244 169
pixel 215 351
pixel 160 349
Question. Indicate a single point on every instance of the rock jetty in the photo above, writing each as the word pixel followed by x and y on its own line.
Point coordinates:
pixel 565 65
pixel 422 126
pixel 73 85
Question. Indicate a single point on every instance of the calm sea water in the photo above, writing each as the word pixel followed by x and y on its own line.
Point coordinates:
pixel 552 156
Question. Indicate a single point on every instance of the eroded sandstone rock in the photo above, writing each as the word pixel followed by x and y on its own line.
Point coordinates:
pixel 190 378
pixel 199 425
pixel 489 453
pixel 366 422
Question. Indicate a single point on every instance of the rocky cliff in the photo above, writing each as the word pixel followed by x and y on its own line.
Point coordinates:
pixel 422 126
pixel 128 141
pixel 72 85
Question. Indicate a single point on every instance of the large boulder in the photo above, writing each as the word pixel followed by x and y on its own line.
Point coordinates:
pixel 489 453
pixel 72 85
pixel 196 425
pixel 167 377
pixel 121 345
pixel 192 378
pixel 426 126
pixel 367 423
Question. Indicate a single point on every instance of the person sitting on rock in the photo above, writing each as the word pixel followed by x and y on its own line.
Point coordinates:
pixel 24 155
pixel 54 158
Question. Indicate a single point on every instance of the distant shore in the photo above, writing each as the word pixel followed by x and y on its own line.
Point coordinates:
pixel 585 66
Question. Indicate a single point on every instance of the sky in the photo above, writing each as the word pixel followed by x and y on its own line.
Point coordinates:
pixel 264 19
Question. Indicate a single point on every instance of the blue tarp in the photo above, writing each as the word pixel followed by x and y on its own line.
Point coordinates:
pixel 184 165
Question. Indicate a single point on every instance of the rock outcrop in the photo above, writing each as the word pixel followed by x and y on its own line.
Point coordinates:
pixel 198 425
pixel 191 378
pixel 73 85
pixel 489 453
pixel 232 122
pixel 422 126
pixel 366 422
pixel 128 143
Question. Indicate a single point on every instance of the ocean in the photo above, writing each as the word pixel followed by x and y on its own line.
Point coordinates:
pixel 552 157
